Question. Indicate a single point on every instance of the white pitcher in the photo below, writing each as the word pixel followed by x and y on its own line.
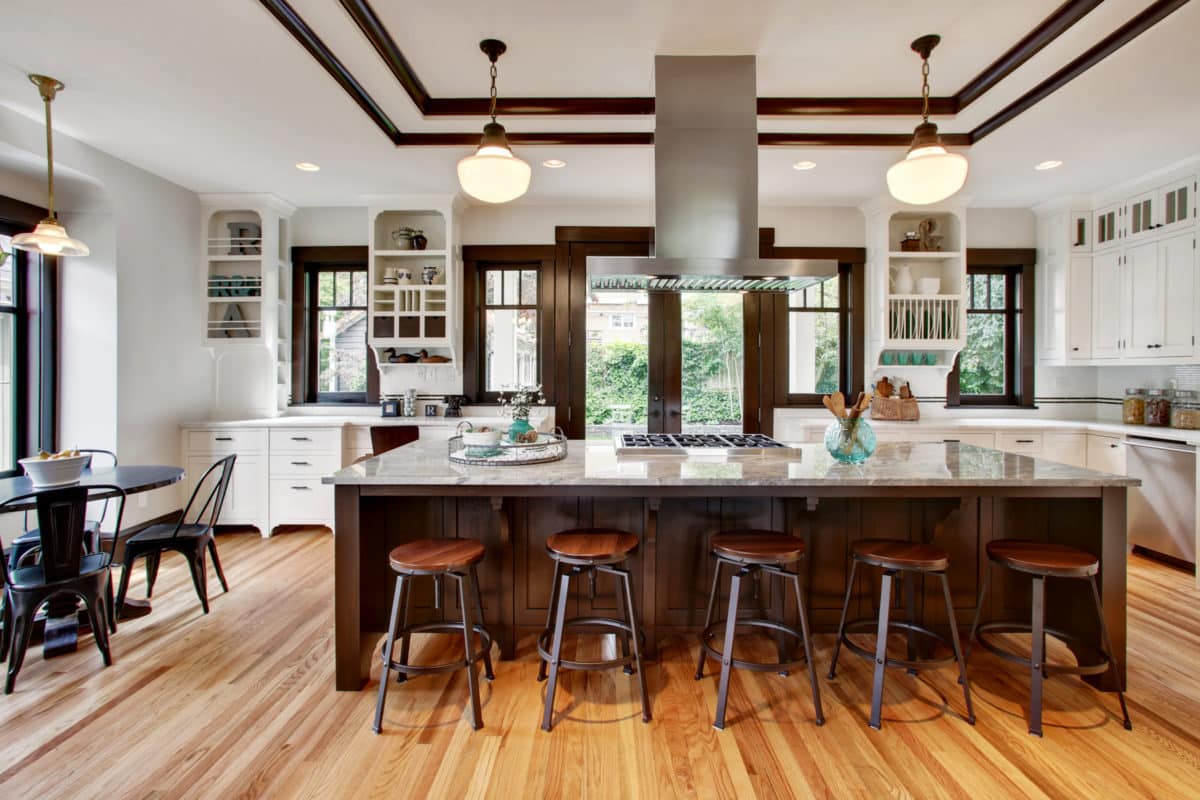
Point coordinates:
pixel 903 282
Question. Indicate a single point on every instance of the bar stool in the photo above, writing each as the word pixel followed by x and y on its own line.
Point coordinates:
pixel 749 552
pixel 455 558
pixel 1045 560
pixel 909 559
pixel 587 551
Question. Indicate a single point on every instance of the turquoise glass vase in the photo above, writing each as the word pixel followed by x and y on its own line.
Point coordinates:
pixel 519 427
pixel 850 441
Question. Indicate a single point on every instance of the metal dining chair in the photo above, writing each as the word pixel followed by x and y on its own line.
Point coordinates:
pixel 64 568
pixel 193 540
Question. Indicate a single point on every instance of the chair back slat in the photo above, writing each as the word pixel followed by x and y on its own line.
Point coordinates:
pixel 61 514
pixel 217 487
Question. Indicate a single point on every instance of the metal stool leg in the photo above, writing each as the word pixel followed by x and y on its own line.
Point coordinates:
pixel 541 676
pixel 487 654
pixel 1038 659
pixel 910 608
pixel 631 618
pixel 560 617
pixel 808 656
pixel 837 647
pixel 469 649
pixel 987 576
pixel 1112 659
pixel 405 637
pixel 623 613
pixel 885 603
pixel 958 655
pixel 735 589
pixel 712 602
pixel 387 655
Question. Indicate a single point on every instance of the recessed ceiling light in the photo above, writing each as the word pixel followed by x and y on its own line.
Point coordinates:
pixel 1051 164
pixel 554 163
pixel 803 165
pixel 307 166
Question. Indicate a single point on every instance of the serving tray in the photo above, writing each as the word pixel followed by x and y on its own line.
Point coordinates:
pixel 549 447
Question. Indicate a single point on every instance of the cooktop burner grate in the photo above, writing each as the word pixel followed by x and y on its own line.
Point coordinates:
pixel 676 442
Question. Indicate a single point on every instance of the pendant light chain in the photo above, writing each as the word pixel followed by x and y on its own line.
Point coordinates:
pixel 46 98
pixel 925 89
pixel 492 111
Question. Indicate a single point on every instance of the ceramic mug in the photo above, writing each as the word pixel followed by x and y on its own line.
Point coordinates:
pixel 904 358
pixel 403 276
pixel 429 274
pixel 888 358
pixel 931 359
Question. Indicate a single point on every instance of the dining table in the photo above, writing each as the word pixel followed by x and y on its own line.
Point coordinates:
pixel 63 621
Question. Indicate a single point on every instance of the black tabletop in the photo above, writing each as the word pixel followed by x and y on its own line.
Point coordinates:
pixel 132 479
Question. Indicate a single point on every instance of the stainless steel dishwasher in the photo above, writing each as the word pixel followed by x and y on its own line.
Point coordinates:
pixel 1162 511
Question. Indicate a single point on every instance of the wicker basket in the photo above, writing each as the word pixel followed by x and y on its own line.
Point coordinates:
pixel 895 408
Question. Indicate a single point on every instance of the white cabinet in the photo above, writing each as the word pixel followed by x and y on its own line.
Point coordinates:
pixel 1145 322
pixel 1106 226
pixel 1108 303
pixel 1177 201
pixel 1052 306
pixel 1142 214
pixel 246 500
pixel 1079 308
pixel 300 457
pixel 1027 443
pixel 1177 279
pixel 1106 453
pixel 1065 447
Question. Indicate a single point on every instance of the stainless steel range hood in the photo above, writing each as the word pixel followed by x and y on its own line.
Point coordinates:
pixel 706 189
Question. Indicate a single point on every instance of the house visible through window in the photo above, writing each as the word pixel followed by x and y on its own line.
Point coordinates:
pixel 510 324
pixel 623 321
pixel 339 323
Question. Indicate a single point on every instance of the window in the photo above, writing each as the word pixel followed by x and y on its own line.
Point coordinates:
pixel 510 324
pixel 819 349
pixel 995 366
pixel 9 316
pixel 332 362
pixel 622 321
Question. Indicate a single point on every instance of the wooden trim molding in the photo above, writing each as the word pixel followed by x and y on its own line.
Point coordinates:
pixel 1047 31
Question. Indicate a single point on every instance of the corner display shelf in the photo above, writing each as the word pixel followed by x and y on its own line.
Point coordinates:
pixel 413 292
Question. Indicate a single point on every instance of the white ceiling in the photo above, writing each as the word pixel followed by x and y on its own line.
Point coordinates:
pixel 218 97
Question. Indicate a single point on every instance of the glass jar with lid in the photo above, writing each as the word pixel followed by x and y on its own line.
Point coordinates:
pixel 1185 411
pixel 1133 408
pixel 1158 408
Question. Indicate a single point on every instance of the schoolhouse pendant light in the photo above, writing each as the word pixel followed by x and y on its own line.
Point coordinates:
pixel 493 174
pixel 928 173
pixel 49 237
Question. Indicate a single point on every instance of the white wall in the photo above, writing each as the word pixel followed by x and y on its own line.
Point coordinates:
pixel 329 226
pixel 147 236
pixel 809 226
pixel 1001 227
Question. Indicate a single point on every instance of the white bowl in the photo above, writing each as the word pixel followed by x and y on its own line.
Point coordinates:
pixel 929 285
pixel 55 471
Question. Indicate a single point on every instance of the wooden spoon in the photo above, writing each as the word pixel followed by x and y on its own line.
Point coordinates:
pixel 837 404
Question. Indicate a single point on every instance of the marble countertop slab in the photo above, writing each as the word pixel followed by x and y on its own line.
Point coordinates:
pixel 425 463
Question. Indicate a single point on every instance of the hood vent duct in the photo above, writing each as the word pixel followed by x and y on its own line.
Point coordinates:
pixel 706 189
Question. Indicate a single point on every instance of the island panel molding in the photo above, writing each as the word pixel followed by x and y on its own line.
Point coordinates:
pixel 1048 30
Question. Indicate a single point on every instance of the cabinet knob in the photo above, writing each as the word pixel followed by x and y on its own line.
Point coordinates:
pixel 1076 349
pixel 1113 446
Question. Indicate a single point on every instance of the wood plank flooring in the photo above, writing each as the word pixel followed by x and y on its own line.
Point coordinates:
pixel 240 703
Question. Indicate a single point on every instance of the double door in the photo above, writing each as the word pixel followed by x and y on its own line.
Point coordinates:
pixel 1144 300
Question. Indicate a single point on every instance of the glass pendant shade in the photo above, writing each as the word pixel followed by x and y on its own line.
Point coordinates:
pixel 493 174
pixel 51 239
pixel 928 173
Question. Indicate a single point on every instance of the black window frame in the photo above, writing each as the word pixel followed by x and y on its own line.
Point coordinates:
pixel 308 264
pixel 844 311
pixel 484 306
pixel 1017 267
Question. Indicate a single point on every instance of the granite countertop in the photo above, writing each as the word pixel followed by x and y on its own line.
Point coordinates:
pixel 1022 424
pixel 597 464
pixel 338 421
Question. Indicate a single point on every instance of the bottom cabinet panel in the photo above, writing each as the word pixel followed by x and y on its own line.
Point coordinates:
pixel 300 501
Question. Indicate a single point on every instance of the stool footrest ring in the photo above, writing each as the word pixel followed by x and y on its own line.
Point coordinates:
pixel 543 643
pixel 449 666
pixel 1092 661
pixel 872 626
pixel 718 628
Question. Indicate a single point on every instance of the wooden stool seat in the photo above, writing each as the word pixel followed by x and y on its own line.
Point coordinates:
pixel 591 544
pixel 436 555
pixel 901 555
pixel 758 547
pixel 1043 558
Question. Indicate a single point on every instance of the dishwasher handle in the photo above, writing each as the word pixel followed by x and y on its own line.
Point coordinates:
pixel 1169 446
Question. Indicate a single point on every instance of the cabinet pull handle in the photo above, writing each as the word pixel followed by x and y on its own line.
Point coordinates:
pixel 301 488
pixel 223 439
pixel 1075 349
pixel 951 441
pixel 1113 446
pixel 301 439
pixel 1024 441
pixel 301 464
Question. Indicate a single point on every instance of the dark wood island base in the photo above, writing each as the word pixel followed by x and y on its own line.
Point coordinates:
pixel 672 568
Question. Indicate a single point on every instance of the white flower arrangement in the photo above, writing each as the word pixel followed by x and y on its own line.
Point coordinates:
pixel 520 400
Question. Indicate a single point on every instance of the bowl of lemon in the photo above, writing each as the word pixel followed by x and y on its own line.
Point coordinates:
pixel 55 469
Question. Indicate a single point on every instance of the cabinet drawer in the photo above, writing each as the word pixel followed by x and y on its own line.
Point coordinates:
pixel 314 465
pixel 229 440
pixel 288 440
pixel 296 501
pixel 1027 443
pixel 974 437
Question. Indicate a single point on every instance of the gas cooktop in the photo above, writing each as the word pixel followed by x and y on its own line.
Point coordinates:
pixel 680 442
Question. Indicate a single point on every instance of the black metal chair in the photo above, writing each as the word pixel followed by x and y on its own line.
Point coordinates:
pixel 192 540
pixel 27 546
pixel 63 569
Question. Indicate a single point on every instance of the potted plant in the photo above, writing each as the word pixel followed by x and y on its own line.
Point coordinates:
pixel 517 406
pixel 407 238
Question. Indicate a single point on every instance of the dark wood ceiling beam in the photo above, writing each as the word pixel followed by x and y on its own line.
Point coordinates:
pixel 851 106
pixel 853 139
pixel 472 139
pixel 1046 32
pixel 377 34
pixel 1148 18
pixel 321 53
pixel 543 106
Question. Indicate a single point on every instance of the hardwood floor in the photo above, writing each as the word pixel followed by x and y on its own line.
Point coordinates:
pixel 241 704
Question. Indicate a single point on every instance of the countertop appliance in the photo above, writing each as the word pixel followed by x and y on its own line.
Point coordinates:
pixel 1162 511
pixel 683 443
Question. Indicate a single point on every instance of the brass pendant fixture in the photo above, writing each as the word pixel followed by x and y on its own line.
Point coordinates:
pixel 928 173
pixel 493 174
pixel 49 237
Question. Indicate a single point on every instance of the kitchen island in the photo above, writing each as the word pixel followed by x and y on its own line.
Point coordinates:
pixel 957 496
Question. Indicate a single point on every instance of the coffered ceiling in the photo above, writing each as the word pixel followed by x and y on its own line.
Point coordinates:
pixel 219 96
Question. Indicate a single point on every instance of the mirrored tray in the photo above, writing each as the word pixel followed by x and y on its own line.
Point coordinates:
pixel 549 447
